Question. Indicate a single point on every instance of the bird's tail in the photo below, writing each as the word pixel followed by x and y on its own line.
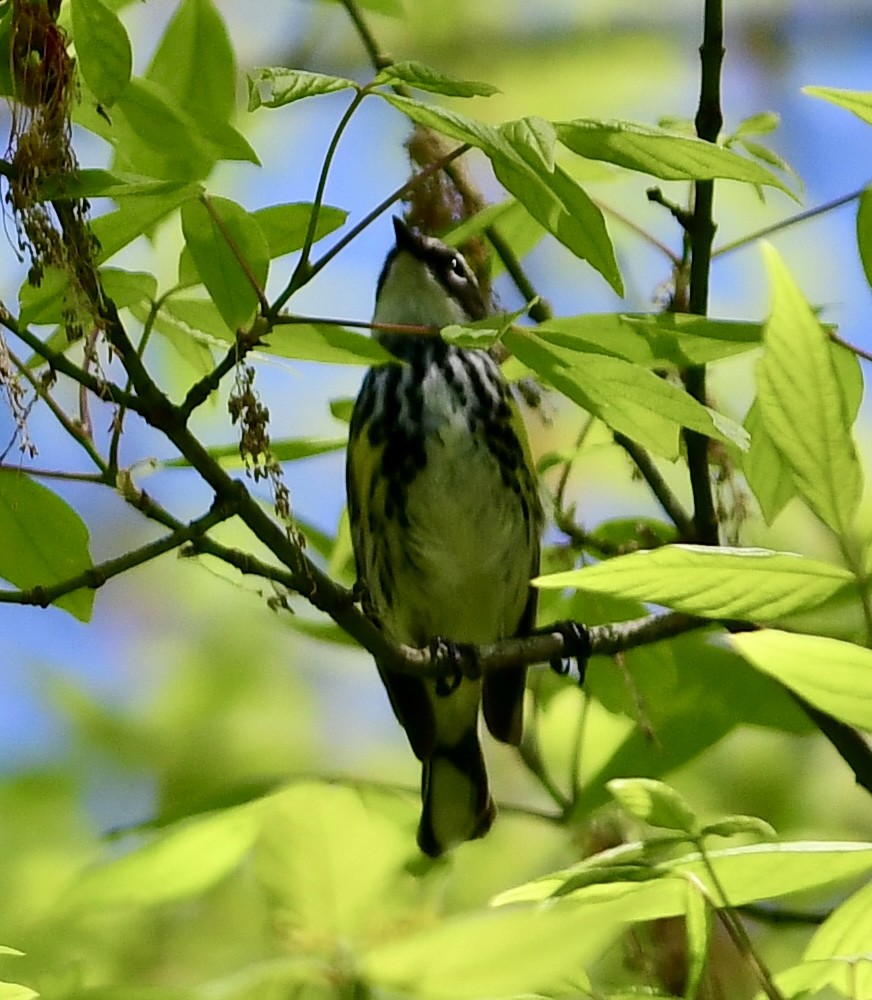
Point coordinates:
pixel 457 801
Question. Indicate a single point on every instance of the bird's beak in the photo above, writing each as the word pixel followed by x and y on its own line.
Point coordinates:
pixel 406 239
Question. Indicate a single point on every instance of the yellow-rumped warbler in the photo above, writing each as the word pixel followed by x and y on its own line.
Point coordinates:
pixel 445 524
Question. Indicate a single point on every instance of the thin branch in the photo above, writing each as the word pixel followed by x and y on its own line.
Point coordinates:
pixel 777 227
pixel 649 238
pixel 383 206
pixel 659 487
pixel 76 433
pixel 859 351
pixel 377 57
pixel 302 272
pixel 101 388
pixel 71 477
pixel 95 576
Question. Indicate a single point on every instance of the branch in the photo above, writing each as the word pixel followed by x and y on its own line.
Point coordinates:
pixel 73 429
pixel 777 227
pixel 659 487
pixel 95 576
pixel 102 388
pixel 709 120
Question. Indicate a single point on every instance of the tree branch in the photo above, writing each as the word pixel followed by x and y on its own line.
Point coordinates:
pixel 709 120
pixel 659 487
pixel 95 576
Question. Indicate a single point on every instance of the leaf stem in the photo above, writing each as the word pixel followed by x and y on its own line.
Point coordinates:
pixel 793 220
pixel 302 272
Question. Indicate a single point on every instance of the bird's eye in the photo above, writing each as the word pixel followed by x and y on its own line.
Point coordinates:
pixel 455 265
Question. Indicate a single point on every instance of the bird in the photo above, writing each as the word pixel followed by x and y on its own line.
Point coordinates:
pixel 445 521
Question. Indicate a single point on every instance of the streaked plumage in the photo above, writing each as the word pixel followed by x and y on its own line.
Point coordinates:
pixel 445 522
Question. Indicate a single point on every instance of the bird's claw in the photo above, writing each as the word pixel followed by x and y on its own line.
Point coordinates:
pixel 576 646
pixel 451 655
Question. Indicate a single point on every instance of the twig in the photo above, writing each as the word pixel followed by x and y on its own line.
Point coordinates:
pixel 101 388
pixel 76 433
pixel 301 273
pixel 659 487
pixel 95 576
pixel 71 477
pixel 777 227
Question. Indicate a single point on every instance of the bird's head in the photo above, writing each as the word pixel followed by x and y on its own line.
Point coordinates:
pixel 425 282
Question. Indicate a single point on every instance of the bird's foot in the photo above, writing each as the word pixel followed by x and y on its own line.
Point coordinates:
pixel 451 657
pixel 576 646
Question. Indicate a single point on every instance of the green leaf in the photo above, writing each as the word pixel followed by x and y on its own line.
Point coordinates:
pixel 326 853
pixel 534 140
pixel 274 87
pixel 102 49
pixel 154 135
pixel 832 675
pixel 564 209
pixel 760 124
pixel 182 863
pixel 327 343
pixel 195 62
pixel 755 584
pixel 15 991
pixel 730 826
pixel 126 288
pixel 803 404
pixel 698 923
pixel 864 232
pixel 44 541
pixel 668 155
pixel 422 77
pixel 654 339
pixel 284 226
pixel 845 935
pixel 209 233
pixel 769 478
pixel 746 874
pixel 858 101
pixel 489 954
pixel 193 351
pixel 654 803
pixel 627 397
pixel 138 215
pixel 342 409
pixel 552 198
pixel 287 450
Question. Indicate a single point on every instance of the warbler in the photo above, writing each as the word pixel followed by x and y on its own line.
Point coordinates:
pixel 445 524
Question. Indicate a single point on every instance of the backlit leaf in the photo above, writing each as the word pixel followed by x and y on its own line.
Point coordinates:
pixel 209 233
pixel 102 49
pixel 757 584
pixel 858 101
pixel 44 541
pixel 422 77
pixel 864 232
pixel 804 406
pixel 832 675
pixel 668 155
pixel 274 87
